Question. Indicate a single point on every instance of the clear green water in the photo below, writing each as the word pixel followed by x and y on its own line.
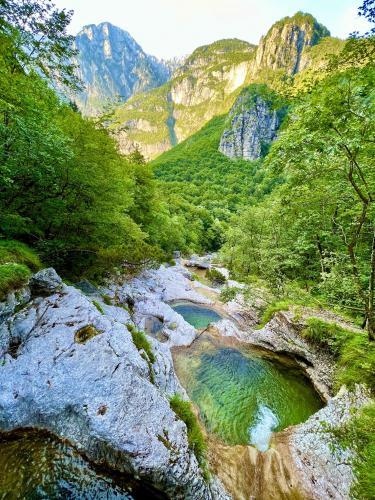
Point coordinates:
pixel 198 316
pixel 38 466
pixel 243 394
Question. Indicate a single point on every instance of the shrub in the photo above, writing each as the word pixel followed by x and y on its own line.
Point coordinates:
pixel 12 276
pixel 229 293
pixel 196 439
pixel 354 354
pixel 215 276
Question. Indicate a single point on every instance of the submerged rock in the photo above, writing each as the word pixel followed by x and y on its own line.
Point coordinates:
pixel 75 372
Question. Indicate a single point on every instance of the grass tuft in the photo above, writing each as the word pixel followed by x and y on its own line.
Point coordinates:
pixel 98 306
pixel 354 354
pixel 271 310
pixel 12 276
pixel 12 251
pixel 359 435
pixel 196 439
pixel 107 300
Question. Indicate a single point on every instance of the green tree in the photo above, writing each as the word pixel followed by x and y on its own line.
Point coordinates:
pixel 326 155
pixel 40 39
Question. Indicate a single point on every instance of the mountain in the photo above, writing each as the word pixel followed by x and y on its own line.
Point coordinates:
pixel 113 66
pixel 206 85
pixel 284 45
pixel 211 79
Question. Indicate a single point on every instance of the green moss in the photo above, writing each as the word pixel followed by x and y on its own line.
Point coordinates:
pixel 98 306
pixel 355 355
pixel 196 439
pixel 12 276
pixel 86 333
pixel 271 310
pixel 141 343
pixel 12 251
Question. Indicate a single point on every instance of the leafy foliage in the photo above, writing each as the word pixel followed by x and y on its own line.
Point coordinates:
pixel 316 227
pixel 215 276
pixel 203 186
pixel 64 188
pixel 40 39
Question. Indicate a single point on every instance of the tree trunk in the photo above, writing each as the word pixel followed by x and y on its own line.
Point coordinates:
pixel 321 253
pixel 370 303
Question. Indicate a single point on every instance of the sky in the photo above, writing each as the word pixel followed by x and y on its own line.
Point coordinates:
pixel 168 28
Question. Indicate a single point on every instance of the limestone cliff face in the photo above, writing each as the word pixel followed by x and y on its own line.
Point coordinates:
pixel 204 86
pixel 283 46
pixel 113 66
pixel 253 123
pixel 208 83
pixel 292 46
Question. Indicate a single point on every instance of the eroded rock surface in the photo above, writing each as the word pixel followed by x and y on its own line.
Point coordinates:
pixel 71 370
pixel 282 335
pixel 252 128
pixel 323 465
pixel 153 292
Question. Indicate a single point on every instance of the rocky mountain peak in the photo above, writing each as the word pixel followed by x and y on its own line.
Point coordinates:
pixel 284 43
pixel 113 67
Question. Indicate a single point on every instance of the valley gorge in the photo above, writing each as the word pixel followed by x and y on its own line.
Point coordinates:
pixel 187 254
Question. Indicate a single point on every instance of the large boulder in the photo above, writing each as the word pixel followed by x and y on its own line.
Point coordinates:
pixel 45 282
pixel 68 369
